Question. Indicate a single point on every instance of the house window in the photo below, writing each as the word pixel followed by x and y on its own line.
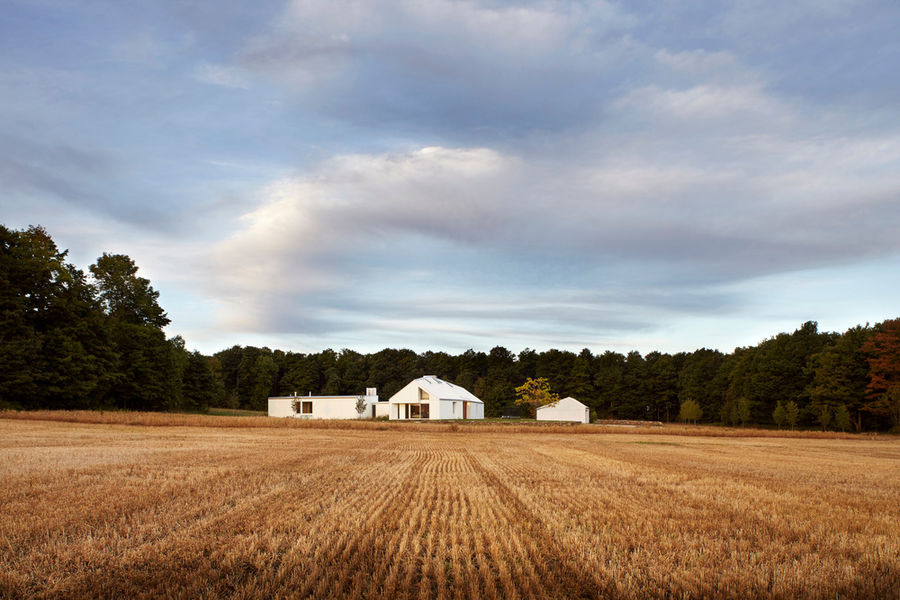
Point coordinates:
pixel 306 408
pixel 417 411
pixel 423 395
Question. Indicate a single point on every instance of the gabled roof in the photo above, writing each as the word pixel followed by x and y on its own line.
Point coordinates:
pixel 444 390
pixel 566 400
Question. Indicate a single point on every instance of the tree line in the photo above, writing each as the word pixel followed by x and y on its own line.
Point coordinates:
pixel 68 340
pixel 806 378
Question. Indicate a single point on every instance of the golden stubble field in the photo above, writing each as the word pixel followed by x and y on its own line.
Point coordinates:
pixel 94 510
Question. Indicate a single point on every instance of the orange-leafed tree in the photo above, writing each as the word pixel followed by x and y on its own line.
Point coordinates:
pixel 883 391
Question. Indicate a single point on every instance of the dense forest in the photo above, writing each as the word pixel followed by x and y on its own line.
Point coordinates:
pixel 71 340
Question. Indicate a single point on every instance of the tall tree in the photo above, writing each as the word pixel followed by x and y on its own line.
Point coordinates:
pixel 697 380
pixel 199 386
pixel 608 381
pixel 662 385
pixel 883 390
pixel 126 296
pixel 498 386
pixel 54 347
pixel 147 376
pixel 581 377
pixel 839 374
pixel 634 402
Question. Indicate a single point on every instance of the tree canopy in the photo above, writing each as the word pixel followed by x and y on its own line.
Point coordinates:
pixel 535 393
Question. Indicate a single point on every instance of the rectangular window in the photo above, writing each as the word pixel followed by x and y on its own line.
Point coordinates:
pixel 414 411
pixel 425 410
pixel 306 408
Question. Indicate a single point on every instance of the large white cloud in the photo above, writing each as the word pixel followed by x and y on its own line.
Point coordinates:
pixel 469 238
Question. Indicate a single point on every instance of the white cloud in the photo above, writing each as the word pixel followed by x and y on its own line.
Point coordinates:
pixel 369 239
pixel 708 102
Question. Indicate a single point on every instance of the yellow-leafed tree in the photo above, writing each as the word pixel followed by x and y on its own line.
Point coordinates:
pixel 534 393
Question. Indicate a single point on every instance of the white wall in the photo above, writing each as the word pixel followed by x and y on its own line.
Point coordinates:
pixel 567 409
pixel 336 408
pixel 281 407
pixel 410 395
pixel 476 411
pixel 339 407
pixel 437 408
pixel 447 410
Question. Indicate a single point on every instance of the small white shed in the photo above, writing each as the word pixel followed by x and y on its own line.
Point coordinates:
pixel 430 397
pixel 567 409
pixel 324 407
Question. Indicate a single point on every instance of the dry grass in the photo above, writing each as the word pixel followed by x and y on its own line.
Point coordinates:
pixel 133 511
pixel 159 419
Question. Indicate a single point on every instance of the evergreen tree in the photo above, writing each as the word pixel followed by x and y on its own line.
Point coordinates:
pixel 634 402
pixel 199 387
pixel 608 381
pixel 698 380
pixel 662 385
pixel 581 377
pixel 839 374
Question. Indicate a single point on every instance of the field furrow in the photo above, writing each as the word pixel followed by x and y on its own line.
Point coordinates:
pixel 307 513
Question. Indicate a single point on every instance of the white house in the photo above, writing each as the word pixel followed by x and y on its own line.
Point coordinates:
pixel 567 409
pixel 429 397
pixel 325 407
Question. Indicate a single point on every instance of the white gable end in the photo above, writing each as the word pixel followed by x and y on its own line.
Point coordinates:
pixel 567 409
pixel 431 397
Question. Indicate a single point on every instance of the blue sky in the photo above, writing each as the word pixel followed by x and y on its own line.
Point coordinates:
pixel 448 175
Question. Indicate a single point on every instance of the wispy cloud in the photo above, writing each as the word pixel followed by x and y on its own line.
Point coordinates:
pixel 221 75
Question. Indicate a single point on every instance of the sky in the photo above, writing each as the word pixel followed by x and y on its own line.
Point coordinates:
pixel 445 175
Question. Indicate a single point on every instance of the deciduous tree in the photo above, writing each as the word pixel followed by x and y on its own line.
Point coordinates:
pixel 883 390
pixel 779 415
pixel 690 411
pixel 842 418
pixel 792 413
pixel 534 393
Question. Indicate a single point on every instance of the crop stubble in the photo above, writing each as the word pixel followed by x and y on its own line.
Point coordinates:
pixel 107 510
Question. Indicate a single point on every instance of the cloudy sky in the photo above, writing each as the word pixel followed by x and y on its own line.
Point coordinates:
pixel 444 175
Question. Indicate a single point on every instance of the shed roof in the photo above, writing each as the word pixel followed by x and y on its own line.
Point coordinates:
pixel 567 400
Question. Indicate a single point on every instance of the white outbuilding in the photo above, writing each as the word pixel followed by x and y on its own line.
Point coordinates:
pixel 430 397
pixel 567 409
pixel 326 407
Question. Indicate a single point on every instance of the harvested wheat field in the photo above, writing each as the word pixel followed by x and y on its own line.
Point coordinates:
pixel 139 511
